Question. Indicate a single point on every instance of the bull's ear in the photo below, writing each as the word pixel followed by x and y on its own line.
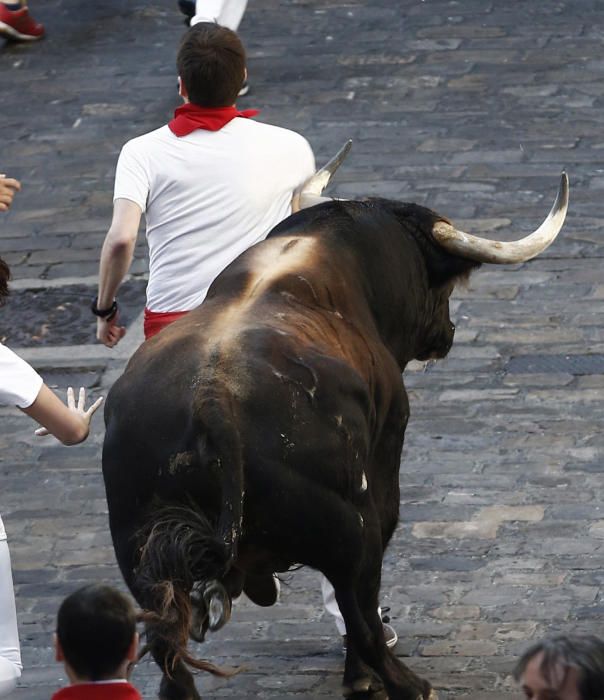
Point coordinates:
pixel 442 267
pixel 310 193
pixel 451 270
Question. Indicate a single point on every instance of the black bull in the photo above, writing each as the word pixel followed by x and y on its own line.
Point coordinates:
pixel 265 429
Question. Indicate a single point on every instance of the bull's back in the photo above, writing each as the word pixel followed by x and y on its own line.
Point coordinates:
pixel 283 334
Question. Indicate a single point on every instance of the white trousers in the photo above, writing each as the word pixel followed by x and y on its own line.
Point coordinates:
pixel 329 601
pixel 10 654
pixel 228 13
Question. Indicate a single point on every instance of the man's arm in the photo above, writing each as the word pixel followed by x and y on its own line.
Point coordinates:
pixel 116 258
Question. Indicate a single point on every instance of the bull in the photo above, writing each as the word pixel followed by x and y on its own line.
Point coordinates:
pixel 265 428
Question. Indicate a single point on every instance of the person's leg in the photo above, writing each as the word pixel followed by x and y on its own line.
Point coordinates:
pixel 232 13
pixel 331 606
pixel 10 654
pixel 228 13
pixel 9 675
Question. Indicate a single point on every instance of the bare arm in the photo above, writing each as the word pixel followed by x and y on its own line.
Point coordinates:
pixel 68 423
pixel 116 258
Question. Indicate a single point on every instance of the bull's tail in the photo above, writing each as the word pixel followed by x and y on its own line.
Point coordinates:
pixel 219 447
pixel 185 555
pixel 180 553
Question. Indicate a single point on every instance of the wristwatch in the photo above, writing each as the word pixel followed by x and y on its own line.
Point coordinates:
pixel 107 314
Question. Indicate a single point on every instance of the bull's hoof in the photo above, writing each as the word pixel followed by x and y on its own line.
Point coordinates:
pixel 431 696
pixel 358 687
pixel 362 685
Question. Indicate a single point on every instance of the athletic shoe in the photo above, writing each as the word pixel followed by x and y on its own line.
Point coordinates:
pixel 389 633
pixel 19 25
pixel 187 7
pixel 245 88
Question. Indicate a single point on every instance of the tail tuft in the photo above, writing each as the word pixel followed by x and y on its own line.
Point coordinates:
pixel 180 552
pixel 180 546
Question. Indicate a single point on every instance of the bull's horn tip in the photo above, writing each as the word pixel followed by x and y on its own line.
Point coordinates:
pixel 563 190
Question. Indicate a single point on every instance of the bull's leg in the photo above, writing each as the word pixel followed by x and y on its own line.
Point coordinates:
pixel 177 681
pixel 366 638
pixel 357 595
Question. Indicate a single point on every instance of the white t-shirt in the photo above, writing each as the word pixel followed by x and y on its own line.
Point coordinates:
pixel 207 197
pixel 20 384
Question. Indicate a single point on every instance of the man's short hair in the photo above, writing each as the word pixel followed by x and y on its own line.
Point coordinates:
pixel 95 627
pixel 584 653
pixel 211 65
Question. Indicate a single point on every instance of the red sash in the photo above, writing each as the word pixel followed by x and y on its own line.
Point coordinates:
pixel 190 117
pixel 156 320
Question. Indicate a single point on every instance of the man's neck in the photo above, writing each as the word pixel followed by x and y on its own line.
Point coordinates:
pixel 119 676
pixel 103 682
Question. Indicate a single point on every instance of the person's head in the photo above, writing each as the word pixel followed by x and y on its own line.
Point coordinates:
pixel 563 668
pixel 211 65
pixel 96 635
pixel 4 278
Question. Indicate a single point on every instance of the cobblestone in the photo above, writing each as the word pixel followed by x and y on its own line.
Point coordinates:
pixel 470 108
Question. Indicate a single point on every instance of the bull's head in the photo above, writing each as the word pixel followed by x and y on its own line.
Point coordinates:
pixel 449 254
pixel 469 251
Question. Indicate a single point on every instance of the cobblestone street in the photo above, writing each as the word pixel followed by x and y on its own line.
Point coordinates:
pixel 470 107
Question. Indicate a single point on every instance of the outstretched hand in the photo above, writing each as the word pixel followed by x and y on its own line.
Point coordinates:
pixel 85 415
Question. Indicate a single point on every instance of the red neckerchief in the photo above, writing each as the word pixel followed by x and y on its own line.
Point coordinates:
pixel 190 117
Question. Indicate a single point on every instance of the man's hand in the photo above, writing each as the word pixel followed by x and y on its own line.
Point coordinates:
pixel 8 187
pixel 108 332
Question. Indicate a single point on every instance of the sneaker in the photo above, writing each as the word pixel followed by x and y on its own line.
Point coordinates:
pixel 19 25
pixel 245 88
pixel 187 7
pixel 389 634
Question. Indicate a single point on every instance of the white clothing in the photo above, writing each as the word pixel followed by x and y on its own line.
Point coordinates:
pixel 10 655
pixel 329 601
pixel 208 197
pixel 227 13
pixel 19 382
pixel 20 385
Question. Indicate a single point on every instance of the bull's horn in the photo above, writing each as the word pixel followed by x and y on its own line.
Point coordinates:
pixel 311 190
pixel 466 245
